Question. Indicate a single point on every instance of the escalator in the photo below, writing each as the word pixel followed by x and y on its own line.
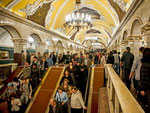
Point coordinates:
pixel 46 90
pixel 16 73
pixel 96 82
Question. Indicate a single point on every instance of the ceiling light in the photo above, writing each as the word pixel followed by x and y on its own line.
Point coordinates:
pixel 78 19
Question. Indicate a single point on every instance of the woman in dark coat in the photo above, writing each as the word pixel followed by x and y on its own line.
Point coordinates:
pixel 145 79
pixel 71 69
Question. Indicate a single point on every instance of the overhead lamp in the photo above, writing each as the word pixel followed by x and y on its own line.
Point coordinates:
pixel 30 40
pixel 78 19
pixel 91 38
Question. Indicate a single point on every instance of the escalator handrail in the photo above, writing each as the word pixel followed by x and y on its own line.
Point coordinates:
pixel 40 85
pixel 90 90
pixel 18 76
pixel 36 93
pixel 88 82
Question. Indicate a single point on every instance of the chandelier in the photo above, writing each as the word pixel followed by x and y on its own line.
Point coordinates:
pixel 91 38
pixel 78 19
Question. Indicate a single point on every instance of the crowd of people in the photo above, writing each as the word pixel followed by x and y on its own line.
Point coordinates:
pixel 136 70
pixel 20 90
pixel 69 97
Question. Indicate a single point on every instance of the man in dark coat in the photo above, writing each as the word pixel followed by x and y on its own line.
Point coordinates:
pixel 127 60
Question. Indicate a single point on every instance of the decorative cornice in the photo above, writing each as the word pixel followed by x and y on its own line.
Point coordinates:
pixel 132 9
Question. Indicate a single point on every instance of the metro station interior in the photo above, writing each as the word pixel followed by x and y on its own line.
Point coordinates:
pixel 74 56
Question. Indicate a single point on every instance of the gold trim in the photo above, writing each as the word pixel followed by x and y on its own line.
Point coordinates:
pixel 36 93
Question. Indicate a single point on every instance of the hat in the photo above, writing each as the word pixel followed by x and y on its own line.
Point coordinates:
pixel 9 84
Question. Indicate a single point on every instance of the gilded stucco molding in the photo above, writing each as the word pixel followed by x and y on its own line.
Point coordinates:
pixel 30 9
pixel 121 4
pixel 12 4
pixel 49 14
pixel 115 13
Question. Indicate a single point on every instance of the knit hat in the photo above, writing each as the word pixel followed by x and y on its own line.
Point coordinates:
pixel 9 84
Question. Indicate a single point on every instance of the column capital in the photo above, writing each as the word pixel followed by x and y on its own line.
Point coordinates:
pixel 145 28
pixel 19 41
pixel 135 37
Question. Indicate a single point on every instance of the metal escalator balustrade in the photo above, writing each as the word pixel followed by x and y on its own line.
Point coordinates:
pixel 16 72
pixel 97 81
pixel 46 90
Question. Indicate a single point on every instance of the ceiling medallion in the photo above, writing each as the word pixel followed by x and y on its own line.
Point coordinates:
pixel 78 19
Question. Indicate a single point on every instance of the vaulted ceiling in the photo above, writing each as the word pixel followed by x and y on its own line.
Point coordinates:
pixel 106 15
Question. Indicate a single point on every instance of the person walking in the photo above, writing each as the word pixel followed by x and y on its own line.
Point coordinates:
pixel 77 102
pixel 127 60
pixel 145 79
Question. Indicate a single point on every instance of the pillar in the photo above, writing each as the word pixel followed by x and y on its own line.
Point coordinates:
pixel 19 45
pixel 136 45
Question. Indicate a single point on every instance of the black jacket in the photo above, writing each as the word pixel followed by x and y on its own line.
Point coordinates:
pixel 45 64
pixel 127 60
pixel 145 76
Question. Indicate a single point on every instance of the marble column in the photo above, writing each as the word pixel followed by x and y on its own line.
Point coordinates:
pixel 136 45
pixel 19 45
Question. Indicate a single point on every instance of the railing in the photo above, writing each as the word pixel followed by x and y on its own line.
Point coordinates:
pixel 6 70
pixel 36 93
pixel 87 86
pixel 90 91
pixel 40 85
pixel 120 98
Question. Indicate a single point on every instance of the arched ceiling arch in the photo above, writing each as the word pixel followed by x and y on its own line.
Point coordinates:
pixel 51 14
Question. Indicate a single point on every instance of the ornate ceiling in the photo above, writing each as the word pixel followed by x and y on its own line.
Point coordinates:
pixel 106 15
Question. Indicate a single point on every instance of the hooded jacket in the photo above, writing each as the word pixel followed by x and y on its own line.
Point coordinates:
pixel 76 100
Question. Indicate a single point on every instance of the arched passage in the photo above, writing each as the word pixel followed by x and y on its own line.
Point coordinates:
pixel 136 26
pixel 60 48
pixel 35 44
pixel 12 31
pixel 6 46
pixel 124 37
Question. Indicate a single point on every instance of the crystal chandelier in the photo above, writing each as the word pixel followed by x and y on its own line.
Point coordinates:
pixel 91 38
pixel 78 19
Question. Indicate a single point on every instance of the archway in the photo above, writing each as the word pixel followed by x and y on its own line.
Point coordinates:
pixel 49 44
pixel 136 27
pixel 136 35
pixel 60 48
pixel 34 44
pixel 12 40
pixel 6 47
pixel 124 37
